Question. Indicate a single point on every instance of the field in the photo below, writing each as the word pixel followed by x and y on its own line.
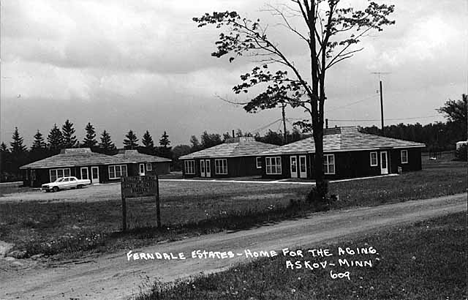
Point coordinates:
pixel 423 261
pixel 76 222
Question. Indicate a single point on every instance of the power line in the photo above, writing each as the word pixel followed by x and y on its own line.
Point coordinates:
pixel 374 120
pixel 352 103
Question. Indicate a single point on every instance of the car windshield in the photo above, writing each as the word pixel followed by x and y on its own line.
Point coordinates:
pixel 60 179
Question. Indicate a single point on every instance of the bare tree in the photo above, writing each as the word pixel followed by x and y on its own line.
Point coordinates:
pixel 331 33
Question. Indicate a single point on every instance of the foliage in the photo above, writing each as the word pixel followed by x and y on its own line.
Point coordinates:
pixel 148 143
pixel 69 138
pixel 164 140
pixel 462 153
pixel 178 151
pixel 90 138
pixel 39 148
pixel 130 141
pixel 55 140
pixel 331 33
pixel 456 111
pixel 210 140
pixel 107 146
pixel 17 147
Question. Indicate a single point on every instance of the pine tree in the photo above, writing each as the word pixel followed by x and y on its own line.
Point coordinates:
pixel 107 146
pixel 131 141
pixel 55 140
pixel 90 139
pixel 38 142
pixel 164 141
pixel 3 147
pixel 69 139
pixel 17 147
pixel 148 143
pixel 164 150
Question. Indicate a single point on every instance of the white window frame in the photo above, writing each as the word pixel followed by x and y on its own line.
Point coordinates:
pixel 64 172
pixel 329 165
pixel 376 163
pixel 404 161
pixel 189 166
pixel 258 161
pixel 149 166
pixel 221 166
pixel 273 165
pixel 116 170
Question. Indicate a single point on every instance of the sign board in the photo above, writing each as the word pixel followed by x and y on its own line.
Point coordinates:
pixel 139 186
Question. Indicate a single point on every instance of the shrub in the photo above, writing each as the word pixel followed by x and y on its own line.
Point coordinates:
pixel 461 153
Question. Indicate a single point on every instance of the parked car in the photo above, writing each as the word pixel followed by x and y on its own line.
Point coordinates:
pixel 64 183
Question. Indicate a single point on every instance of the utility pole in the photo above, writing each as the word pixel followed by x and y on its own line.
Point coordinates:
pixel 381 100
pixel 284 123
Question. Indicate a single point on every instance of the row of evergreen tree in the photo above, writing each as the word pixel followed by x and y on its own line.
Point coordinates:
pixel 18 154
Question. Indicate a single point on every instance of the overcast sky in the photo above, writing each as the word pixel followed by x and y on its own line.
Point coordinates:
pixel 144 65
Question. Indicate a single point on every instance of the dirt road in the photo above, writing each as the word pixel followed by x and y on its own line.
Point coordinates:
pixel 116 277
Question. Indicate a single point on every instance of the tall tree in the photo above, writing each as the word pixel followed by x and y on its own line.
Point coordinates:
pixel 164 150
pixel 210 139
pixel 55 140
pixel 456 111
pixel 147 141
pixel 18 153
pixel 164 140
pixel 17 147
pixel 38 142
pixel 107 146
pixel 330 33
pixel 130 141
pixel 39 148
pixel 90 138
pixel 196 146
pixel 68 132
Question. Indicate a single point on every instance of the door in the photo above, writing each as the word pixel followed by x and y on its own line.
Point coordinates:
pixel 383 162
pixel 95 174
pixel 142 169
pixel 202 168
pixel 208 168
pixel 293 166
pixel 302 166
pixel 84 173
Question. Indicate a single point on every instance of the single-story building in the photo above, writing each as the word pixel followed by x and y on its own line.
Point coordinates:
pixel 348 153
pixel 234 158
pixel 85 164
pixel 143 164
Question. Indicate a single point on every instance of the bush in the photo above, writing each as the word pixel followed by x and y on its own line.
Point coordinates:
pixel 461 153
pixel 318 196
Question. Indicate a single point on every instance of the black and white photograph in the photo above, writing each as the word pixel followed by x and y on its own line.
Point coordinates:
pixel 233 149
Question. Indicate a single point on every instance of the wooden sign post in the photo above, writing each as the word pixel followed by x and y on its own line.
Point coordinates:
pixel 140 186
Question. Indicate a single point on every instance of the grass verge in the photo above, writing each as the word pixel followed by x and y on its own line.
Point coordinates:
pixel 423 261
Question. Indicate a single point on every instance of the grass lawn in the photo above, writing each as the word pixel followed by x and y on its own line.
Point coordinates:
pixel 69 229
pixel 423 261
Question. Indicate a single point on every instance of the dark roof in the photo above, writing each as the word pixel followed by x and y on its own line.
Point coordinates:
pixel 73 158
pixel 77 157
pixel 343 139
pixel 133 156
pixel 238 147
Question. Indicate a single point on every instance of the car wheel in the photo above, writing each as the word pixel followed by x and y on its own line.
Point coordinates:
pixel 55 189
pixel 79 187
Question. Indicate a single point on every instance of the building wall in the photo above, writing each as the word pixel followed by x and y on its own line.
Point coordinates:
pixel 237 167
pixel 353 164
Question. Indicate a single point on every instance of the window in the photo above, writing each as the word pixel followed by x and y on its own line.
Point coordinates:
pixel 404 156
pixel 189 167
pixel 373 159
pixel 273 165
pixel 117 171
pixel 221 166
pixel 259 162
pixel 329 163
pixel 84 173
pixel 58 173
pixel 149 167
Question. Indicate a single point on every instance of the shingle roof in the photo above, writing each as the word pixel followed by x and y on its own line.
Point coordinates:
pixel 77 157
pixel 344 139
pixel 238 147
pixel 73 158
pixel 133 156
